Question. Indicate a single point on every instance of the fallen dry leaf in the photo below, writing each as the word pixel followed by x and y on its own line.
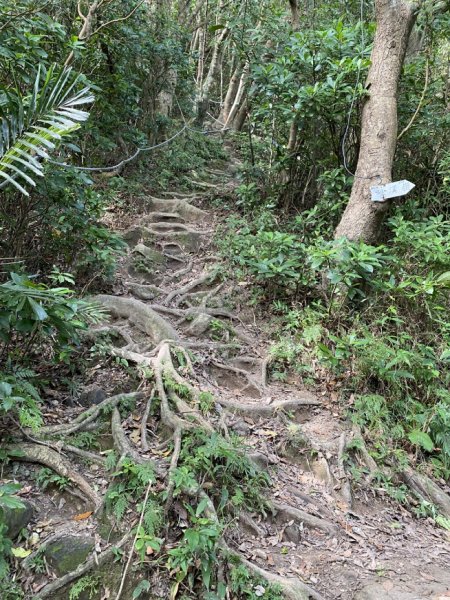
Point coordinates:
pixel 83 516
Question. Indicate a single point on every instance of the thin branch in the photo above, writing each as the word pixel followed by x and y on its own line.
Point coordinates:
pixel 118 19
pixel 422 98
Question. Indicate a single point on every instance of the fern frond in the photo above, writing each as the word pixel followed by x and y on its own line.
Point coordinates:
pixel 30 129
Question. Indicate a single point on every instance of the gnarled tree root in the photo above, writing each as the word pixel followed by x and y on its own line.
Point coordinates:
pixel 286 513
pixel 44 455
pixel 426 489
pixel 266 410
pixel 188 211
pixel 141 315
pixel 204 278
pixel 292 588
pixel 88 416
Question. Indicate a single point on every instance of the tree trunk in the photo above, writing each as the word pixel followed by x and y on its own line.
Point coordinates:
pixel 230 95
pixel 204 91
pixel 241 115
pixel 239 96
pixel 362 217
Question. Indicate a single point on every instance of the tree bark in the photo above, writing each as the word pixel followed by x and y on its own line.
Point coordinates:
pixel 230 95
pixel 240 94
pixel 362 218
pixel 204 91
pixel 241 116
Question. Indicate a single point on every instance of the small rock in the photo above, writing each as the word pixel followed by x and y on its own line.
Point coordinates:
pixel 292 534
pixel 199 325
pixel 34 538
pixel 17 519
pixel 67 553
pixel 92 394
pixel 241 428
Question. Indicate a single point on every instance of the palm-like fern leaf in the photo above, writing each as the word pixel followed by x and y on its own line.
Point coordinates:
pixel 31 128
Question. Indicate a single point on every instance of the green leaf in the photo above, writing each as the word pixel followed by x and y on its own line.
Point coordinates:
pixel 143 586
pixel 422 439
pixel 20 552
pixel 201 507
pixel 38 310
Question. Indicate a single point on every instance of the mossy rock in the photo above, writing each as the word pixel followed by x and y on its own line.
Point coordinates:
pixel 67 553
pixel 17 518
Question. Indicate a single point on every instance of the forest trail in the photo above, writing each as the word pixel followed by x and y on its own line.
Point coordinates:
pixel 326 538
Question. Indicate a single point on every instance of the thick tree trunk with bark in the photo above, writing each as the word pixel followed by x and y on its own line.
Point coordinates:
pixel 362 217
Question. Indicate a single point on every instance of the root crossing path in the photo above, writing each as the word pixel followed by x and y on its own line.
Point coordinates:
pixel 179 317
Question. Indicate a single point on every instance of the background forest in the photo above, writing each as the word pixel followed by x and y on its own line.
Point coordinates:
pixel 106 102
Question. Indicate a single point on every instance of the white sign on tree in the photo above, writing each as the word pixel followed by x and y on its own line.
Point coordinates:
pixel 381 193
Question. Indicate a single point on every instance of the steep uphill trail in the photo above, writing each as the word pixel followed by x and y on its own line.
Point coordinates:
pixel 179 317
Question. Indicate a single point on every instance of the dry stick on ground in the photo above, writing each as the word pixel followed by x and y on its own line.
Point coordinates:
pixel 130 555
pixel 50 458
pixel 92 563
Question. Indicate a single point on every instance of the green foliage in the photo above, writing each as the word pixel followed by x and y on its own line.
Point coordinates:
pixel 249 587
pixel 89 584
pixel 47 478
pixel 236 480
pixel 197 552
pixel 10 590
pixel 8 499
pixel 31 127
pixel 129 484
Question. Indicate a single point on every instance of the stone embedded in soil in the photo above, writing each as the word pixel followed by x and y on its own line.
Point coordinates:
pixel 17 519
pixel 92 394
pixel 67 553
pixel 151 255
pixel 199 325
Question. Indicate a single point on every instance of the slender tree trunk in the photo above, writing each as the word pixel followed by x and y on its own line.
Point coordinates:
pixel 238 98
pixel 362 217
pixel 205 88
pixel 230 95
pixel 241 115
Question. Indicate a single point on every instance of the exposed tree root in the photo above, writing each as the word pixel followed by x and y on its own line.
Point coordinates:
pixel 183 271
pixel 242 373
pixel 292 588
pixel 88 416
pixel 44 455
pixel 204 278
pixel 144 423
pixel 189 212
pixel 91 563
pixel 266 410
pixel 346 489
pixel 426 489
pixel 144 317
pixel 362 449
pixel 173 465
pixel 144 292
pixel 289 513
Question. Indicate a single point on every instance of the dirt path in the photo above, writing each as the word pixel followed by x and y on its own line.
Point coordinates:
pixel 327 538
